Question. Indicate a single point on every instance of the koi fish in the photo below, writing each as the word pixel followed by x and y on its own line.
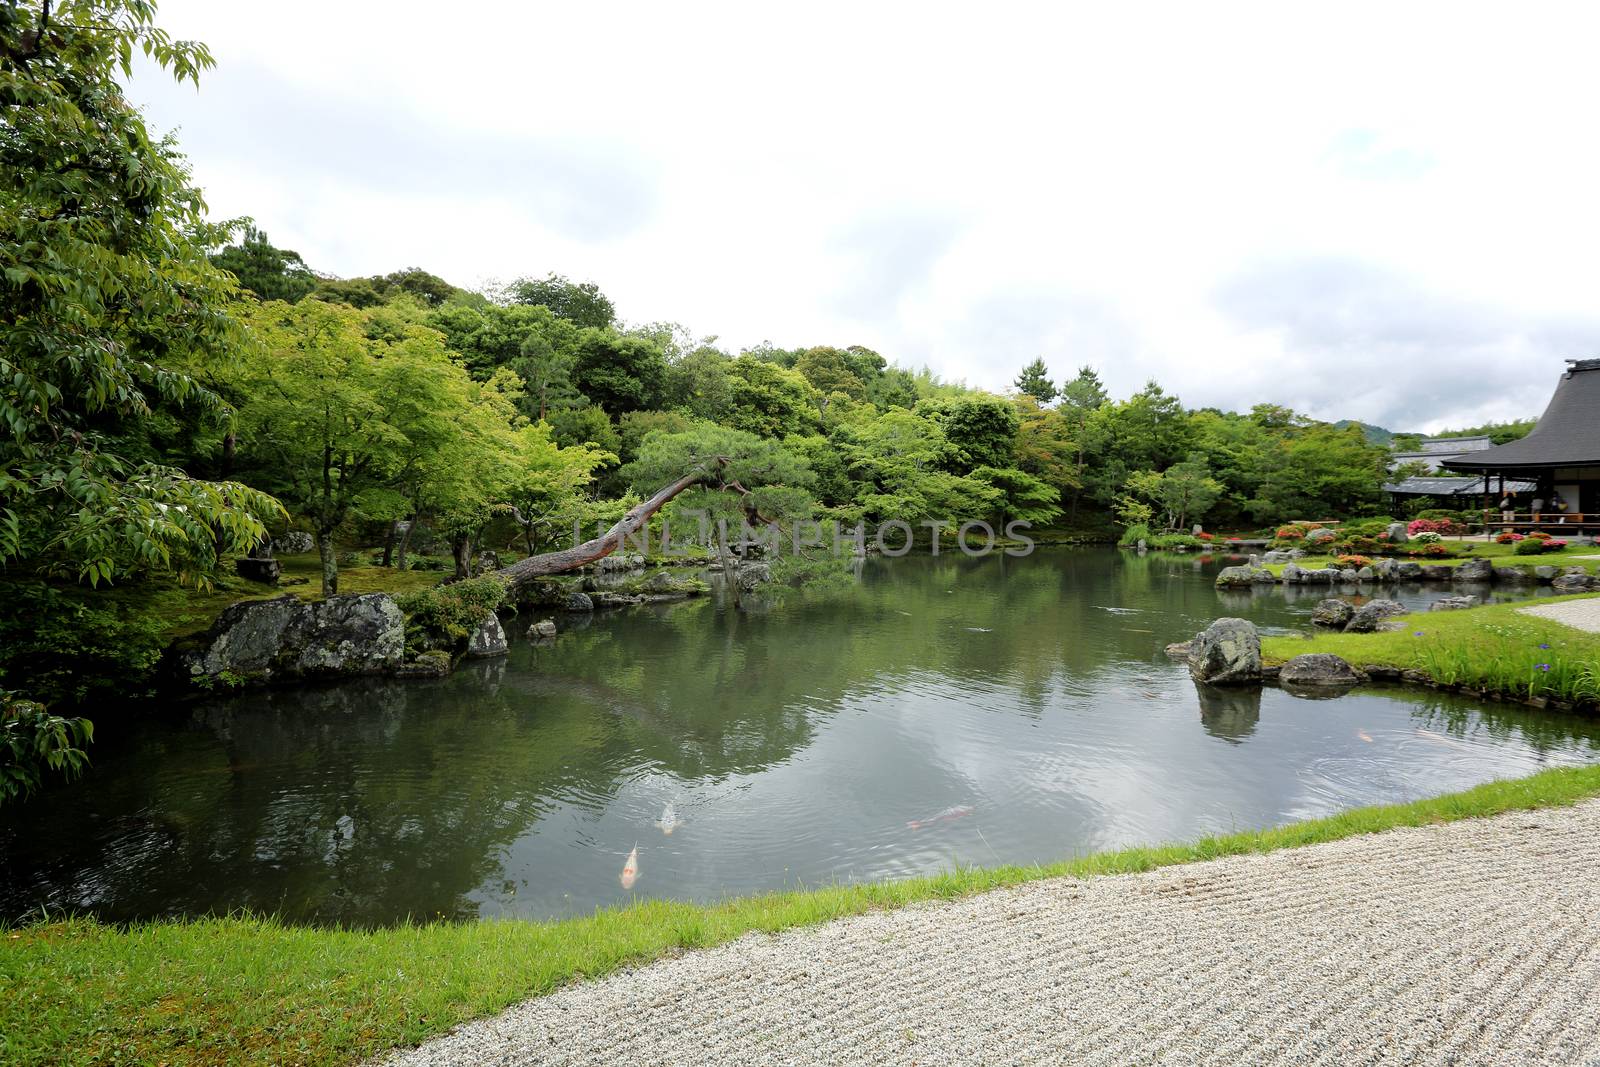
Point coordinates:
pixel 1441 739
pixel 669 820
pixel 960 811
pixel 1364 736
pixel 630 870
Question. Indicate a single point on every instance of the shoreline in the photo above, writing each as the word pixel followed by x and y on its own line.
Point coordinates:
pixel 251 990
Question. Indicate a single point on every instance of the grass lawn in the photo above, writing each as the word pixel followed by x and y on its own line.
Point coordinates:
pixel 254 991
pixel 1495 647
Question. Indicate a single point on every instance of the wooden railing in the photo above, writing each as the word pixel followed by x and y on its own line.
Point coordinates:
pixel 1551 521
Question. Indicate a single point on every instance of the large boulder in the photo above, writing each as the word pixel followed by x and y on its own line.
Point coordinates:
pixel 1397 533
pixel 577 602
pixel 287 639
pixel 1455 603
pixel 1319 669
pixel 489 639
pixel 1512 574
pixel 1321 537
pixel 1228 652
pixel 1283 555
pixel 293 543
pixel 1370 616
pixel 1332 612
pixel 1407 570
pixel 1546 573
pixel 1292 574
pixel 1240 577
pixel 1436 572
pixel 1574 583
pixel 1474 570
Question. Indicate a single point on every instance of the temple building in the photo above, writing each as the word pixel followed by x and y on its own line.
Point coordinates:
pixel 1560 457
pixel 1439 486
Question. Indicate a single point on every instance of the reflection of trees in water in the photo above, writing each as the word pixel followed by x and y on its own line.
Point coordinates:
pixel 1541 731
pixel 1230 712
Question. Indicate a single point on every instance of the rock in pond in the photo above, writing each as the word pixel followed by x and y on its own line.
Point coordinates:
pixel 1332 612
pixel 489 639
pixel 542 628
pixel 1512 574
pixel 1180 649
pixel 1574 583
pixel 433 664
pixel 1228 652
pixel 1545 573
pixel 577 602
pixel 286 639
pixel 1369 616
pixel 1241 577
pixel 1455 603
pixel 1322 669
pixel 1474 570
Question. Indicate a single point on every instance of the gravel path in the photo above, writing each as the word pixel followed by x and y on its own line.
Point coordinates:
pixel 1579 614
pixel 1476 942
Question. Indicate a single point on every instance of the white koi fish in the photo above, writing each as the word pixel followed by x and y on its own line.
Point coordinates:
pixel 630 870
pixel 1364 736
pixel 669 820
pixel 960 811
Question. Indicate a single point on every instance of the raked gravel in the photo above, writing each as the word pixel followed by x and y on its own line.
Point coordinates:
pixel 1579 614
pixel 1475 942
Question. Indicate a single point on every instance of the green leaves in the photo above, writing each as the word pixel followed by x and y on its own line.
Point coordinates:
pixel 32 741
pixel 108 305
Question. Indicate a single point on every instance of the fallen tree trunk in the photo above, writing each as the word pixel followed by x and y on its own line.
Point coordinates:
pixel 570 559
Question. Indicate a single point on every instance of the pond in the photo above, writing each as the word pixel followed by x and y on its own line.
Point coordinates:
pixel 948 711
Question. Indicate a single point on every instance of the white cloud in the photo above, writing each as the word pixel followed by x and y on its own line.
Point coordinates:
pixel 1373 211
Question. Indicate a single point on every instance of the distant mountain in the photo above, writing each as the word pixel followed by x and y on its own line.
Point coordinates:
pixel 1375 434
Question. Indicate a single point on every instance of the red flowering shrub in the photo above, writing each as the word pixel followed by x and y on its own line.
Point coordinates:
pixel 1510 537
pixel 1352 560
pixel 1208 537
pixel 1444 527
pixel 1539 535
pixel 1290 533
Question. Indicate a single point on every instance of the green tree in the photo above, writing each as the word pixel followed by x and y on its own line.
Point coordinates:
pixel 982 428
pixel 269 272
pixel 1035 381
pixel 617 372
pixel 330 414
pixel 107 299
pixel 829 371
pixel 578 302
pixel 770 400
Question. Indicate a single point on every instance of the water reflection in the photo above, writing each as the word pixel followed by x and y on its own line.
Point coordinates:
pixel 797 746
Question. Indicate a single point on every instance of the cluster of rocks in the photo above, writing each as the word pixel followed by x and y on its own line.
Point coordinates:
pixel 1228 652
pixel 1571 579
pixel 1335 614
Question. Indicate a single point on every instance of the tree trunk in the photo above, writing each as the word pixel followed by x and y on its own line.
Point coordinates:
pixel 405 543
pixel 461 549
pixel 330 563
pixel 388 544
pixel 569 559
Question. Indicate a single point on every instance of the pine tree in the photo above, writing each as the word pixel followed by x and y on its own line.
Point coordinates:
pixel 1035 382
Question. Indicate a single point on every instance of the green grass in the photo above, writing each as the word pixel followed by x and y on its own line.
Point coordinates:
pixel 255 991
pixel 1494 648
pixel 183 611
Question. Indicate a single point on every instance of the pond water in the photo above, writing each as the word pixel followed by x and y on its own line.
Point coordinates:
pixel 948 711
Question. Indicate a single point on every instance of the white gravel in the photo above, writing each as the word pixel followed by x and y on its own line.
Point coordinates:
pixel 1579 614
pixel 1472 943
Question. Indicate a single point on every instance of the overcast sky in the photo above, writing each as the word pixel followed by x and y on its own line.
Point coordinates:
pixel 1379 212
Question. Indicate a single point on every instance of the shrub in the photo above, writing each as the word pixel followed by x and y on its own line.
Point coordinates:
pixel 1169 542
pixel 1434 526
pixel 1133 534
pixel 1206 537
pixel 1509 537
pixel 1290 533
pixel 1436 551
pixel 1538 535
pixel 1361 545
pixel 70 646
pixel 1355 561
pixel 446 615
pixel 1427 537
